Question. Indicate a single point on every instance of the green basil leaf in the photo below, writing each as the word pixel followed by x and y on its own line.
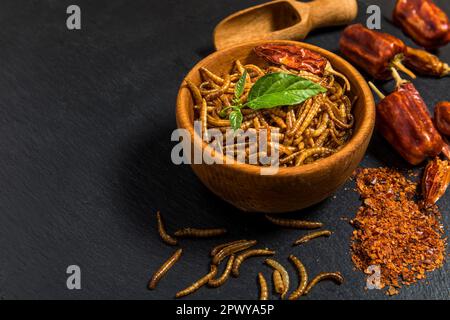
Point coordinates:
pixel 236 119
pixel 281 89
pixel 240 85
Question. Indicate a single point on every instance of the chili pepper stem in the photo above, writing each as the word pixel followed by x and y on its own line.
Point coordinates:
pixel 376 90
pixel 398 80
pixel 446 70
pixel 446 149
pixel 397 64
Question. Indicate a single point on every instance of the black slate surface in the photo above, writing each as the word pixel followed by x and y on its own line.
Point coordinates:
pixel 85 124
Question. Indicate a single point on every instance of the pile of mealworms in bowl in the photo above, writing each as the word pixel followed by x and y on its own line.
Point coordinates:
pixel 237 252
pixel 305 132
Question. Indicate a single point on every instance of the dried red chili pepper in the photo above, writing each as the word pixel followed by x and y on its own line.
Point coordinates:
pixel 293 57
pixel 423 21
pixel 442 117
pixel 403 119
pixel 425 63
pixel 435 180
pixel 374 52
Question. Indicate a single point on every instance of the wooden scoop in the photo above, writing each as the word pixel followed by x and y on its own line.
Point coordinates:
pixel 283 19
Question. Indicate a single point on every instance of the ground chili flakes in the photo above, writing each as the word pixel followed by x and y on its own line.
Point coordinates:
pixel 393 230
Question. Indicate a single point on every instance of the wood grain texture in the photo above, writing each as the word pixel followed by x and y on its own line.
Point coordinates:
pixel 289 189
pixel 282 20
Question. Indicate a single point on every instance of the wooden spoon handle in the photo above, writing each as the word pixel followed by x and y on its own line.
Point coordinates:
pixel 327 13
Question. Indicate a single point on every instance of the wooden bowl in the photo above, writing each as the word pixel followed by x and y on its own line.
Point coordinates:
pixel 290 188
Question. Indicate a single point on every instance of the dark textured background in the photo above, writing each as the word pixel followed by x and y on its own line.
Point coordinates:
pixel 85 124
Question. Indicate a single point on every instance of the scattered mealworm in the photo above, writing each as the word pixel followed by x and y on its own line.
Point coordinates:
pixel 283 272
pixel 278 282
pixel 200 233
pixel 167 238
pixel 263 290
pixel 302 276
pixel 313 235
pixel 231 249
pixel 225 275
pixel 165 267
pixel 334 276
pixel 219 247
pixel 247 254
pixel 291 223
pixel 199 283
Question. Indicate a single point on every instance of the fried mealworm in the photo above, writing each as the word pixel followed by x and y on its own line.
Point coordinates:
pixel 215 283
pixel 195 93
pixel 218 122
pixel 240 68
pixel 167 238
pixel 322 126
pixel 231 249
pixel 301 116
pixel 309 116
pixel 320 141
pixel 165 267
pixel 289 122
pixel 221 90
pixel 279 121
pixel 283 272
pixel 329 69
pixel 255 68
pixel 199 283
pixel 247 254
pixel 219 247
pixel 296 224
pixel 335 119
pixel 302 276
pixel 263 290
pixel 200 233
pixel 305 154
pixel 210 75
pixel 256 122
pixel 203 119
pixel 303 126
pixel 334 276
pixel 278 282
pixel 312 235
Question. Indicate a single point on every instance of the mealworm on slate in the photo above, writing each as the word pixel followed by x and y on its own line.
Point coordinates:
pixel 283 272
pixel 219 247
pixel 302 276
pixel 225 275
pixel 165 267
pixel 247 254
pixel 263 290
pixel 167 238
pixel 200 233
pixel 199 283
pixel 231 249
pixel 278 282
pixel 292 223
pixel 334 276
pixel 313 235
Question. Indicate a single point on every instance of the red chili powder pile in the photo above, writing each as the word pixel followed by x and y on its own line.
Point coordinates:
pixel 394 231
